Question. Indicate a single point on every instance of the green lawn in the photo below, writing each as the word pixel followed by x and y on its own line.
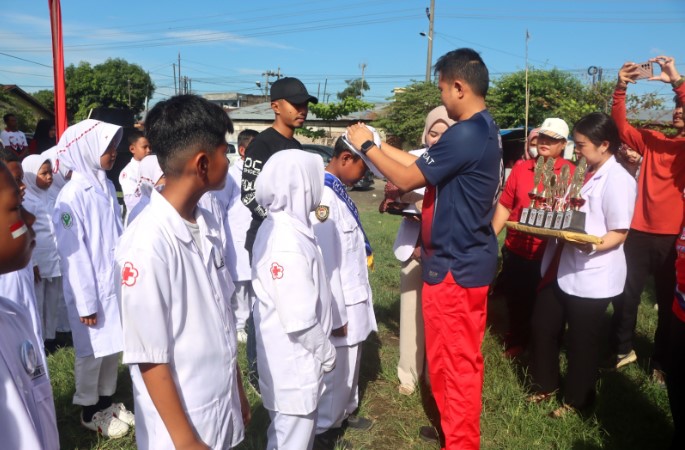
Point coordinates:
pixel 631 411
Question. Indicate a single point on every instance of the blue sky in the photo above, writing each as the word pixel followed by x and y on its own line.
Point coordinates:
pixel 226 46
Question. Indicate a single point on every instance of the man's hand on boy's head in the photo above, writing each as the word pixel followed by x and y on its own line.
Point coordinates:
pixel 90 321
pixel 357 134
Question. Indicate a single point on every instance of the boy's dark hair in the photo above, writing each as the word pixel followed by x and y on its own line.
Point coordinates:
pixel 245 136
pixel 341 147
pixel 179 127
pixel 7 116
pixel 133 136
pixel 467 65
pixel 599 127
pixel 8 156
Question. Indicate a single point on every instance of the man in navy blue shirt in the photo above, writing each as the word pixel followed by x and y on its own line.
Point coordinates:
pixel 462 174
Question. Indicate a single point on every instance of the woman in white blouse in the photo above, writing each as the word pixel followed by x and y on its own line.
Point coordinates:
pixel 580 280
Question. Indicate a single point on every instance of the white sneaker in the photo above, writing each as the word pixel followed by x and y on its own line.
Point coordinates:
pixel 119 411
pixel 242 336
pixel 106 424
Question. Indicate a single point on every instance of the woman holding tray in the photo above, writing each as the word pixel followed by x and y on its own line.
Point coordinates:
pixel 522 253
pixel 580 280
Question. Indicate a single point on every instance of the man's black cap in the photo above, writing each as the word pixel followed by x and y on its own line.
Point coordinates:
pixel 292 90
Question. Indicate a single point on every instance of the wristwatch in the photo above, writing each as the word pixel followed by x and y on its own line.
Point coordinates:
pixel 366 146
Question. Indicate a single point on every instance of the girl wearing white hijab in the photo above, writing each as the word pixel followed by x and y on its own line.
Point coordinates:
pixel 150 176
pixel 293 309
pixel 88 224
pixel 45 260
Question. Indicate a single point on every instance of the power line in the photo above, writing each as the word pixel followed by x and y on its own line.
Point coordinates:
pixel 26 60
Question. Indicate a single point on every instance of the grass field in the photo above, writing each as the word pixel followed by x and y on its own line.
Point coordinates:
pixel 631 411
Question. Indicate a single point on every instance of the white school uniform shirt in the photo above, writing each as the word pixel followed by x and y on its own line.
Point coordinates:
pixel 291 286
pixel 239 218
pixel 342 245
pixel 37 202
pixel 19 287
pixel 609 203
pixel 28 410
pixel 409 230
pixel 88 224
pixel 128 179
pixel 176 310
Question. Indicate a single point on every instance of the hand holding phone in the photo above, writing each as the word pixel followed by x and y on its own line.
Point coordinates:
pixel 644 71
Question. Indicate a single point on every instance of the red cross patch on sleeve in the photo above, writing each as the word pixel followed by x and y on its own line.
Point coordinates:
pixel 276 271
pixel 129 274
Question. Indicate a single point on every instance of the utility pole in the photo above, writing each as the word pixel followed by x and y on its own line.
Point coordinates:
pixel 175 85
pixel 325 85
pixel 527 93
pixel 266 75
pixel 179 73
pixel 429 62
pixel 361 89
pixel 129 92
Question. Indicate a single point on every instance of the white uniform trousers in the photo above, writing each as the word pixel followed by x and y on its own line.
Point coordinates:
pixel 241 302
pixel 288 432
pixel 95 377
pixel 340 395
pixel 49 298
pixel 412 341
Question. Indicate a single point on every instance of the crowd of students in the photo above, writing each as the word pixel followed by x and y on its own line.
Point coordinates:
pixel 272 252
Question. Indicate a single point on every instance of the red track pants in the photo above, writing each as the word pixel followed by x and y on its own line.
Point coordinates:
pixel 454 319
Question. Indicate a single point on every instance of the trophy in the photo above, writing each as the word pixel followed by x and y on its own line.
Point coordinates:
pixel 532 195
pixel 545 197
pixel 574 219
pixel 560 201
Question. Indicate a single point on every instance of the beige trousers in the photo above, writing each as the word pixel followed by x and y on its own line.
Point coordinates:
pixel 412 342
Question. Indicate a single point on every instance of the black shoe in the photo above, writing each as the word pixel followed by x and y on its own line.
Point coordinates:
pixel 428 434
pixel 359 423
pixel 331 440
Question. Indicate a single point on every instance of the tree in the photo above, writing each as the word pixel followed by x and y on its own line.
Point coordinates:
pixel 45 97
pixel 112 84
pixel 354 89
pixel 405 117
pixel 554 93
pixel 25 116
pixel 329 112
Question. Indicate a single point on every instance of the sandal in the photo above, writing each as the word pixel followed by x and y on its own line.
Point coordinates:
pixel 540 397
pixel 561 411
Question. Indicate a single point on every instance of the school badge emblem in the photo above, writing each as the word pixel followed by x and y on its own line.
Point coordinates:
pixel 321 212
pixel 129 274
pixel 67 221
pixel 276 271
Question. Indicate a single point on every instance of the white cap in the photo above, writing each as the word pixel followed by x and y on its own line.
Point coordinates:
pixel 554 128
pixel 367 161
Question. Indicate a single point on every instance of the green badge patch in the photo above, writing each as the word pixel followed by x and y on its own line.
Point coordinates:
pixel 67 221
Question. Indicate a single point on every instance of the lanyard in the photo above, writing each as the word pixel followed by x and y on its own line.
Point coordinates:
pixel 339 189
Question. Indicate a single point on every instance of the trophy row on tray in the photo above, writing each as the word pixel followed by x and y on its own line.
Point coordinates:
pixel 556 206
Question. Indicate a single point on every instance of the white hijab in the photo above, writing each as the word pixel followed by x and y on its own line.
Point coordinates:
pixel 291 182
pixel 82 145
pixel 59 171
pixel 149 172
pixel 31 165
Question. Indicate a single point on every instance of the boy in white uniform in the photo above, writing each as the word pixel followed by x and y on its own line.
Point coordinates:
pixel 87 223
pixel 28 410
pixel 346 252
pixel 139 147
pixel 239 217
pixel 292 314
pixel 179 334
